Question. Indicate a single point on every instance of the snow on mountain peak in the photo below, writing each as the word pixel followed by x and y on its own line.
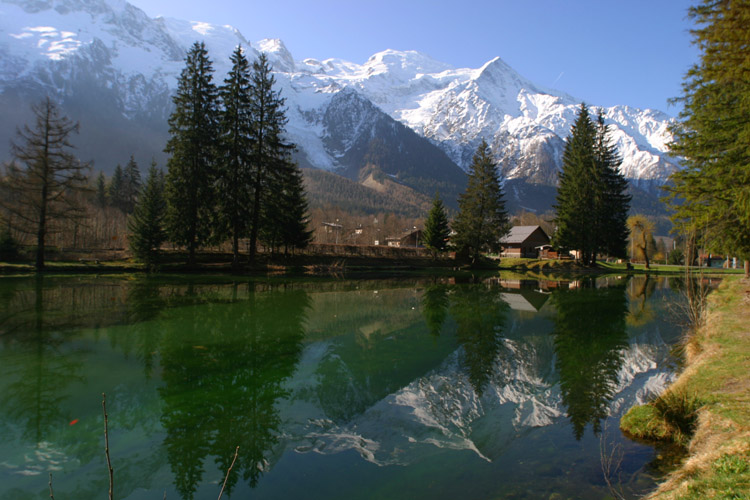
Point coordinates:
pixel 279 56
pixel 403 64
pixel 455 108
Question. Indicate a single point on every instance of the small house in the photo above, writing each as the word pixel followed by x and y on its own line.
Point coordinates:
pixel 524 241
pixel 412 239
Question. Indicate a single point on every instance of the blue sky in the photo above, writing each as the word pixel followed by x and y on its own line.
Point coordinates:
pixel 603 52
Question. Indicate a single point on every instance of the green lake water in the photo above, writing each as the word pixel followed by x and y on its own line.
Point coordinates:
pixel 392 388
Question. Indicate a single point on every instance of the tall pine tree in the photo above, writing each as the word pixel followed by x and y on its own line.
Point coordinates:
pixel 190 183
pixel 235 164
pixel 613 202
pixel 285 212
pixel 591 204
pixel 101 198
pixel 116 188
pixel 146 225
pixel 482 219
pixel 711 194
pixel 131 185
pixel 575 203
pixel 269 147
pixel 436 230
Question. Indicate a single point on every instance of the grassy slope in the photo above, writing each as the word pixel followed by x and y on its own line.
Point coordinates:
pixel 717 374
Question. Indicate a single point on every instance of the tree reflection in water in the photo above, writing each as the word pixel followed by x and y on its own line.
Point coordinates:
pixel 34 397
pixel 479 312
pixel 590 336
pixel 640 309
pixel 223 372
pixel 435 304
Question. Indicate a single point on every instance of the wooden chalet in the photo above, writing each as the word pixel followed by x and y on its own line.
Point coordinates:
pixel 524 241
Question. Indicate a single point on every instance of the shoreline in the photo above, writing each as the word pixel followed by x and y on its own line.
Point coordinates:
pixel 707 407
pixel 300 265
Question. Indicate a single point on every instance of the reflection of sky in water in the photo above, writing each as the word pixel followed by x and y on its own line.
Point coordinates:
pixel 311 376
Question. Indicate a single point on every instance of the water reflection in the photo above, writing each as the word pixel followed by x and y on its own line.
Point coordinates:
pixel 640 309
pixel 37 375
pixel 223 368
pixel 451 379
pixel 435 304
pixel 480 317
pixel 590 336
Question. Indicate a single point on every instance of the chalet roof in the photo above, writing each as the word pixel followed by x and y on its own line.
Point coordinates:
pixel 518 234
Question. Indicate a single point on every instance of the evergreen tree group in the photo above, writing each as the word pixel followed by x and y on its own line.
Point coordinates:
pixel 482 219
pixel 124 187
pixel 146 224
pixel 592 205
pixel 230 171
pixel 711 194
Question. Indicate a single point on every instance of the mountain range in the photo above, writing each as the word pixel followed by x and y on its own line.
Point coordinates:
pixel 401 116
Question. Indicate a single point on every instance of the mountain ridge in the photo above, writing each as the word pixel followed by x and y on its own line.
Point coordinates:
pixel 107 61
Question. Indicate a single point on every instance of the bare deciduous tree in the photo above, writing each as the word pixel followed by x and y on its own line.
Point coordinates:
pixel 42 185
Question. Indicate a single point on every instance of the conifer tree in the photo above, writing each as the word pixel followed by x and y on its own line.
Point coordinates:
pixel 482 219
pixel 269 147
pixel 131 186
pixel 575 202
pixel 613 202
pixel 436 230
pixel 42 184
pixel 235 163
pixel 592 204
pixel 190 182
pixel 116 188
pixel 146 224
pixel 711 194
pixel 285 213
pixel 101 191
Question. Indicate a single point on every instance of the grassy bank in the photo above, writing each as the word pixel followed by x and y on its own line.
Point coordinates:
pixel 708 407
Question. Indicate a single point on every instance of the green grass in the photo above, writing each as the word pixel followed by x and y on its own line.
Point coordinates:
pixel 709 401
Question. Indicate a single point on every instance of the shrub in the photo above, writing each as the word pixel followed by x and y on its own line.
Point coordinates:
pixel 679 411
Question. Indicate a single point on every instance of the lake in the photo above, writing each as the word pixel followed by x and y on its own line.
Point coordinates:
pixel 472 387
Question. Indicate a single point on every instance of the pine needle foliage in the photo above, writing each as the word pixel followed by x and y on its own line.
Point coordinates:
pixel 711 194
pixel 274 176
pixel 191 177
pixel 236 146
pixel 146 225
pixel 436 229
pixel 482 219
pixel 591 204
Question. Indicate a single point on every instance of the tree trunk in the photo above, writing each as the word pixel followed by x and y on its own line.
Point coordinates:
pixel 235 251
pixel 747 269
pixel 42 230
pixel 191 253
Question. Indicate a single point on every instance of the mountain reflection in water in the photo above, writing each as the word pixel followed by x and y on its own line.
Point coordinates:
pixel 303 374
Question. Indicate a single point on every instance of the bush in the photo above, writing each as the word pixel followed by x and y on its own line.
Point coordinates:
pixel 676 257
pixel 672 416
pixel 679 410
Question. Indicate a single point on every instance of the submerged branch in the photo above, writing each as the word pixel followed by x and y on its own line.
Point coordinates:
pixel 226 478
pixel 106 447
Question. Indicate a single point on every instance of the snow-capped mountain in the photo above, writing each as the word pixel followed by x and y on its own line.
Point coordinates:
pixel 113 68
